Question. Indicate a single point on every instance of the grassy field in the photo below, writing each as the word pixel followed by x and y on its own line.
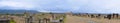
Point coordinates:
pixel 12 21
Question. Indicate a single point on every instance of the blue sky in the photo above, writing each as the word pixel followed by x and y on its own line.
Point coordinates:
pixel 81 6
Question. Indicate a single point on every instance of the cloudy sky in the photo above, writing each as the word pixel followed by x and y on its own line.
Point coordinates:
pixel 81 6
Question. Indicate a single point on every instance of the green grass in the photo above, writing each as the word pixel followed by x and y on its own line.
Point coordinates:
pixel 64 19
pixel 12 21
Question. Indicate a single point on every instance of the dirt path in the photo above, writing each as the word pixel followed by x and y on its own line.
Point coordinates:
pixel 75 19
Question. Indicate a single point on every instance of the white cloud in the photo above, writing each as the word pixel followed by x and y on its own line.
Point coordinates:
pixel 95 6
pixel 29 4
pixel 105 6
pixel 77 5
pixel 14 4
pixel 90 6
pixel 17 5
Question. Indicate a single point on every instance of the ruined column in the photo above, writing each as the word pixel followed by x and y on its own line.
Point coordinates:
pixel 113 16
pixel 116 16
pixel 83 15
pixel 102 16
pixel 87 15
pixel 98 16
pixel 109 16
pixel 40 21
pixel 92 16
pixel 95 15
pixel 47 20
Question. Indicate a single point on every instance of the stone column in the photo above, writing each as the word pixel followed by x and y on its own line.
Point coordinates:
pixel 95 15
pixel 109 16
pixel 102 16
pixel 118 16
pixel 113 16
pixel 89 15
pixel 40 21
pixel 92 16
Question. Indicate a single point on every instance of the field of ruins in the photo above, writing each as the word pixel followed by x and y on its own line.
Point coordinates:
pixel 61 18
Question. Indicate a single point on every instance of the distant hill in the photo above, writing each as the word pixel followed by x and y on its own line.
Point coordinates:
pixel 17 11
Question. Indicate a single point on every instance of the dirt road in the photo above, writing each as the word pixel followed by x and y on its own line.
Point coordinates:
pixel 76 19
